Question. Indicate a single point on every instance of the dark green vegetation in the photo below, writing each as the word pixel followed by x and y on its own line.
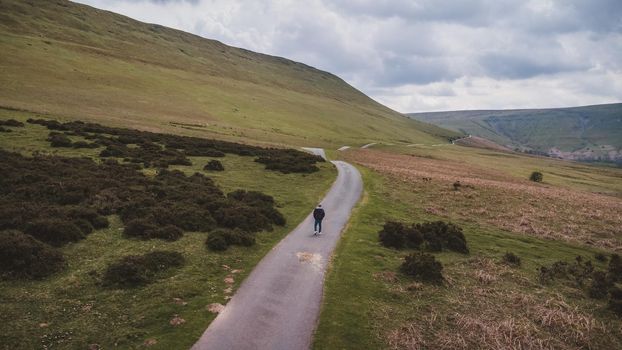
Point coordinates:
pixel 108 68
pixel 22 256
pixel 589 133
pixel 214 165
pixel 162 150
pixel 536 176
pixel 137 270
pixel 511 259
pixel 5 124
pixel 423 267
pixel 432 236
pixel 486 301
pixel 102 284
pixel 582 274
pixel 221 239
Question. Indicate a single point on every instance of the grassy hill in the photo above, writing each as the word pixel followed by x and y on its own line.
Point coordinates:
pixel 79 62
pixel 582 133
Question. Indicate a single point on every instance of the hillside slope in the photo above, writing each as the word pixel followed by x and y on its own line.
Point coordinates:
pixel 76 61
pixel 581 133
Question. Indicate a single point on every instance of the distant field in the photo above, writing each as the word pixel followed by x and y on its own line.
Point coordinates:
pixel 569 204
pixel 484 303
pixel 72 309
pixel 82 63
pixel 583 133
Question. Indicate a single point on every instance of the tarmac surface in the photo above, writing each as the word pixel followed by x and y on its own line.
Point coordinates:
pixel 278 305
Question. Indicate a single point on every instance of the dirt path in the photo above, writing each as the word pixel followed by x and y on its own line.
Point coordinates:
pixel 278 305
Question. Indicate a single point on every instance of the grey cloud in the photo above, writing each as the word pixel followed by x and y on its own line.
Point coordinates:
pixel 510 66
pixel 434 52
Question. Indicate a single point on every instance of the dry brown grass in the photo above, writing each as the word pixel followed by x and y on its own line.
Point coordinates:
pixel 495 315
pixel 503 201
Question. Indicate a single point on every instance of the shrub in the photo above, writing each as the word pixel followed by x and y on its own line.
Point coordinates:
pixel 148 229
pixel 54 231
pixel 11 122
pixel 392 235
pixel 457 185
pixel 221 239
pixel 59 140
pixel 141 228
pixel 511 259
pixel 168 232
pixel 615 299
pixel 22 256
pixel 214 165
pixel 437 236
pixel 600 257
pixel 83 144
pixel 615 268
pixel 423 267
pixel 599 285
pixel 83 225
pixel 536 176
pixel 135 270
pixel 100 222
pixel 217 241
pixel 242 216
pixel 187 216
pixel 440 235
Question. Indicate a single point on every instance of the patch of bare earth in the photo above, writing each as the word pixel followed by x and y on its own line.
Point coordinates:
pixel 491 313
pixel 497 199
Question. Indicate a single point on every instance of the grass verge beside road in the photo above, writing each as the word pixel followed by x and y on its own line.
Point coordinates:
pixel 485 304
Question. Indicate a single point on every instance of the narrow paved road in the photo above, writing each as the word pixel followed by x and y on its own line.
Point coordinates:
pixel 278 305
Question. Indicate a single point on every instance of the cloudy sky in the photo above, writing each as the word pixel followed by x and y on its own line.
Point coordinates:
pixel 424 55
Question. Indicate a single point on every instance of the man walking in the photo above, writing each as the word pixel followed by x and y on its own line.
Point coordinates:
pixel 318 215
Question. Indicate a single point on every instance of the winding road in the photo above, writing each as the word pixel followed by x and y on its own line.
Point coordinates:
pixel 278 305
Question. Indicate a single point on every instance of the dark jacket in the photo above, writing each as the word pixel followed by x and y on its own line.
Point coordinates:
pixel 318 214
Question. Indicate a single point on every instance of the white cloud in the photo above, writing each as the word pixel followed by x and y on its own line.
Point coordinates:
pixel 420 55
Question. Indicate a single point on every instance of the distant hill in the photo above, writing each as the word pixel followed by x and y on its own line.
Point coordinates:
pixel 73 60
pixel 589 133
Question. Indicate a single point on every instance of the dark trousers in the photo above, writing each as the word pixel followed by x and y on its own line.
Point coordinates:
pixel 318 225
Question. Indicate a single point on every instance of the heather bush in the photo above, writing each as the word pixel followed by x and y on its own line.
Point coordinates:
pixel 440 235
pixel 146 228
pixel 217 241
pixel 83 144
pixel 22 256
pixel 214 165
pixel 392 235
pixel 615 268
pixel 136 270
pixel 599 285
pixel 83 225
pixel 536 176
pixel 434 236
pixel 615 299
pixel 177 148
pixel 70 191
pixel 457 185
pixel 54 232
pixel 423 267
pixel 59 140
pixel 11 122
pixel 511 259
pixel 220 239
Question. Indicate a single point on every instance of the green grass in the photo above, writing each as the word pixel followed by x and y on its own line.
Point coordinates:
pixel 360 308
pixel 78 311
pixel 72 60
